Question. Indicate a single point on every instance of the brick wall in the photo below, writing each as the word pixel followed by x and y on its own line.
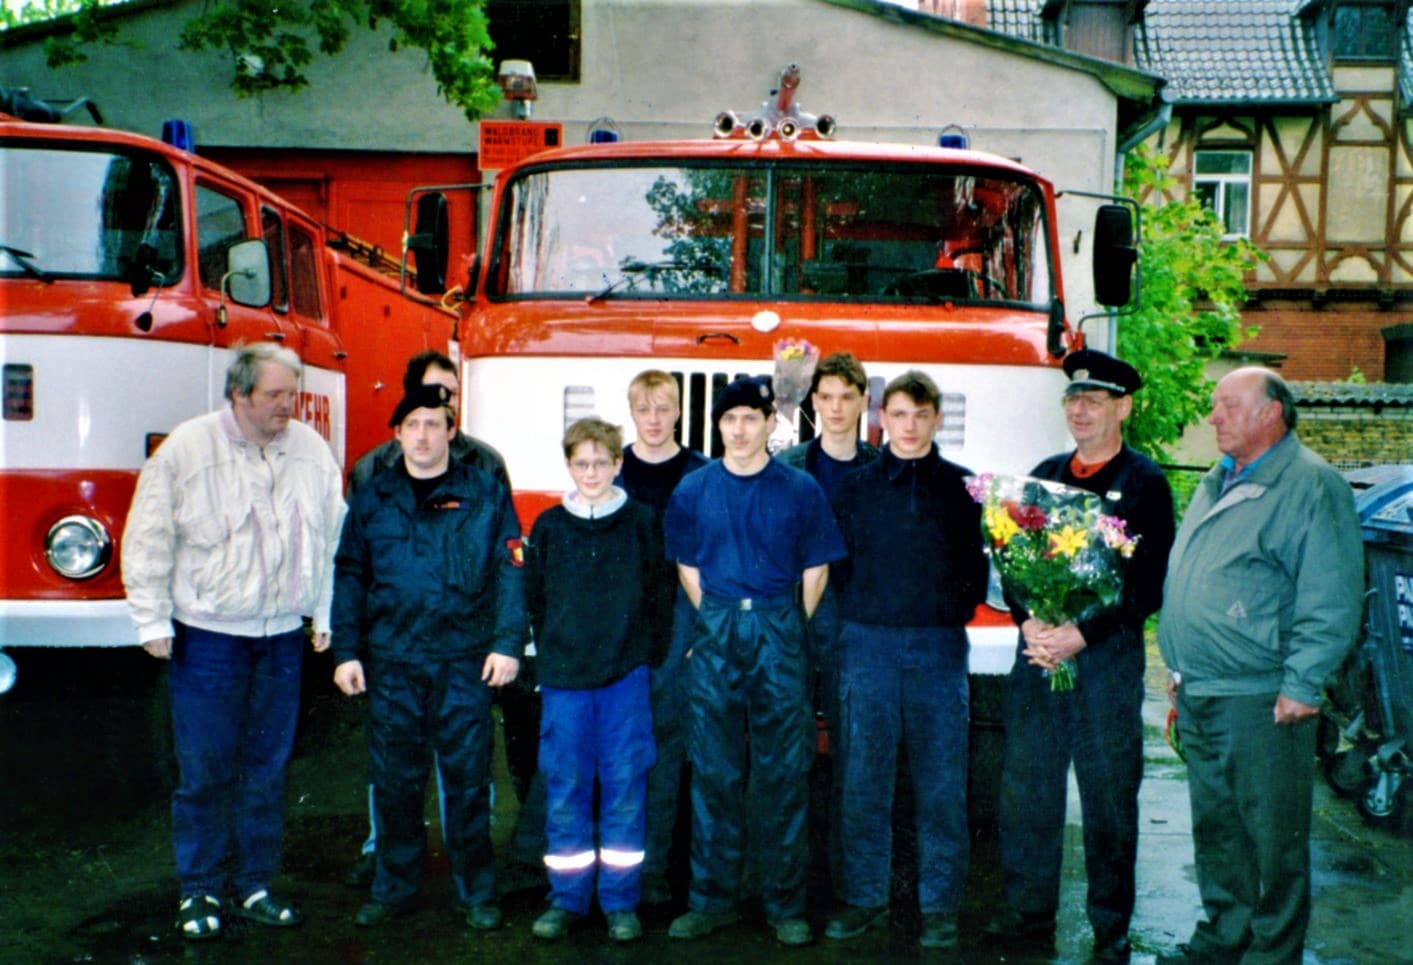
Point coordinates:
pixel 1323 345
pixel 1351 436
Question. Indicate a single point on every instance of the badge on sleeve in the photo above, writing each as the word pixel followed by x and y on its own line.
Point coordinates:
pixel 516 549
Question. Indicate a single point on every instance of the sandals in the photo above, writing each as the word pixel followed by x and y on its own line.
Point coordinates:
pixel 261 908
pixel 199 918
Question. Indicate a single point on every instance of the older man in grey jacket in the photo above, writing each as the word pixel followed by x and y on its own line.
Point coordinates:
pixel 1261 604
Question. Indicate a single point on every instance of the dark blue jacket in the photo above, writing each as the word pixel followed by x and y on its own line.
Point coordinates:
pixel 915 548
pixel 443 579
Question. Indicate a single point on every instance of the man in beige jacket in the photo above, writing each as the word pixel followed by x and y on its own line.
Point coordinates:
pixel 228 547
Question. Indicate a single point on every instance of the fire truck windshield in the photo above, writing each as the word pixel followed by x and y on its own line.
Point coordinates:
pixel 88 214
pixel 900 233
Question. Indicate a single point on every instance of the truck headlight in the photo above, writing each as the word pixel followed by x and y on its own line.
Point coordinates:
pixel 78 547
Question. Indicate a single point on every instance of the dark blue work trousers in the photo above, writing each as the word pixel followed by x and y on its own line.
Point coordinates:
pixel 670 717
pixel 603 734
pixel 751 718
pixel 235 704
pixel 416 710
pixel 1099 727
pixel 902 687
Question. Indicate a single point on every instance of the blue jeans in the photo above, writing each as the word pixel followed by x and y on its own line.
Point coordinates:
pixel 235 703
pixel 903 686
pixel 605 733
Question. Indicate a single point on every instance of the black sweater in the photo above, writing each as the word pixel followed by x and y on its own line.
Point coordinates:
pixel 915 550
pixel 595 594
pixel 1138 493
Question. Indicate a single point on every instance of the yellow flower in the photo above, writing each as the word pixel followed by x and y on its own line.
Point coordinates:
pixel 1068 541
pixel 1000 525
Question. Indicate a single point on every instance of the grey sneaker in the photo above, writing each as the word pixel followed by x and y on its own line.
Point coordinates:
pixel 554 924
pixel 698 924
pixel 938 931
pixel 792 931
pixel 624 926
pixel 854 921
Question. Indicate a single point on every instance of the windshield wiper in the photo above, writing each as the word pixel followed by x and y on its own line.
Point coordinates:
pixel 22 258
pixel 628 269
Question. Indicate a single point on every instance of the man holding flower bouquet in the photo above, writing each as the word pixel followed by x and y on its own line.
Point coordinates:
pixel 1095 719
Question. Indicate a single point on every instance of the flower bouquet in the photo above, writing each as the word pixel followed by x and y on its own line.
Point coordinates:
pixel 795 361
pixel 1059 554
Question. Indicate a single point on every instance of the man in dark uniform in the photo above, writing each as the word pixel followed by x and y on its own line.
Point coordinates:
pixel 520 706
pixel 753 540
pixel 1098 725
pixel 915 574
pixel 429 591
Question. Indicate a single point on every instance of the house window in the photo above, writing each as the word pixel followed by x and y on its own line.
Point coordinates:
pixel 1364 31
pixel 1222 179
pixel 544 32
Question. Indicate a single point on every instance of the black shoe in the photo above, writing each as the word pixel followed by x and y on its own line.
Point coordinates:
pixel 554 924
pixel 792 931
pixel 361 875
pixel 1012 926
pixel 1185 954
pixel 656 891
pixel 484 917
pixel 698 924
pixel 938 931
pixel 1114 950
pixel 375 913
pixel 854 921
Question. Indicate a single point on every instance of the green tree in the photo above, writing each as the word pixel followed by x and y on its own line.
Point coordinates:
pixel 1189 308
pixel 272 42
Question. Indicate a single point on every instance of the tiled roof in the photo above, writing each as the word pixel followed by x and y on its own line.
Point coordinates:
pixel 1019 18
pixel 1353 393
pixel 1216 51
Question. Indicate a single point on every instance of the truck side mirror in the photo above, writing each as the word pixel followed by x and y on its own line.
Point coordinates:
pixel 1114 255
pixel 247 277
pixel 430 243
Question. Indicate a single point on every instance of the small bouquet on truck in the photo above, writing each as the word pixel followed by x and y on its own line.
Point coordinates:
pixel 1059 554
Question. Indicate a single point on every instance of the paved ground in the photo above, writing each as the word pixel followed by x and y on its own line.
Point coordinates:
pixel 86 870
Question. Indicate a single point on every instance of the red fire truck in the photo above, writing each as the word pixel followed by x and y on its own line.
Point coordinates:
pixel 698 257
pixel 129 268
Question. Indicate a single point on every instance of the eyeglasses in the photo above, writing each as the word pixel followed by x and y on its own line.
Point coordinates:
pixel 1087 402
pixel 584 465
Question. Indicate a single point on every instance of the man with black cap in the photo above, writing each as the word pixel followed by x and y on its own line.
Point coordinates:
pixel 1098 724
pixel 429 592
pixel 753 540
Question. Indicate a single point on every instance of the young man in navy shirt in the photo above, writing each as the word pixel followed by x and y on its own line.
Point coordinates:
pixel 915 574
pixel 753 540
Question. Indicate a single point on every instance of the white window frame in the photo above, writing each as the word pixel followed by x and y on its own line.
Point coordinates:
pixel 1221 186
